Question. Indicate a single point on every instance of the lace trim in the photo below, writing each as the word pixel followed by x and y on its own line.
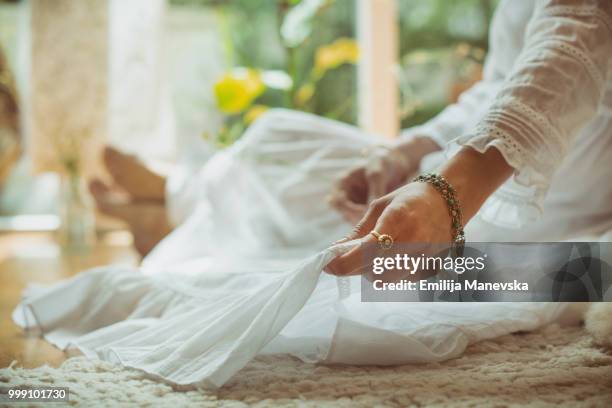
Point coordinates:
pixel 530 171
pixel 582 11
pixel 541 121
pixel 510 145
pixel 584 58
pixel 578 55
pixel 527 206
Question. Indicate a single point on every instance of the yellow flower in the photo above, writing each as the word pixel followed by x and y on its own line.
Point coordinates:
pixel 341 51
pixel 253 113
pixel 236 90
pixel 304 94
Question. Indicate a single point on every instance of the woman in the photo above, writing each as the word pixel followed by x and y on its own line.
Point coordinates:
pixel 238 276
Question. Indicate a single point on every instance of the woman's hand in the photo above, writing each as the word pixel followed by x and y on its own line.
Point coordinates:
pixel 416 213
pixel 387 168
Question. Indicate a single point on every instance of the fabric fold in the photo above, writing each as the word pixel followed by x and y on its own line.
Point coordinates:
pixel 109 316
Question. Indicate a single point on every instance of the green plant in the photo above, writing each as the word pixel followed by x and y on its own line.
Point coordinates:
pixel 293 81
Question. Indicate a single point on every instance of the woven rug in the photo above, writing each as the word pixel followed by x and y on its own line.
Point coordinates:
pixel 554 367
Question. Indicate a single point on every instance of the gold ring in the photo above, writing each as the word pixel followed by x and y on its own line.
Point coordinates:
pixel 385 241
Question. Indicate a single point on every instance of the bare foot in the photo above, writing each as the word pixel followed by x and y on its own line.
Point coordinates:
pixel 147 220
pixel 134 177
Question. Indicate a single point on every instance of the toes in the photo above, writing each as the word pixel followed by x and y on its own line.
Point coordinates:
pixel 102 192
pixel 116 162
pixel 110 155
pixel 113 156
pixel 110 203
pixel 129 173
pixel 98 189
pixel 121 211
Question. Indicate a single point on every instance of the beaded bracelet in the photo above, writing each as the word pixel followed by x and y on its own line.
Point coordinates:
pixel 448 193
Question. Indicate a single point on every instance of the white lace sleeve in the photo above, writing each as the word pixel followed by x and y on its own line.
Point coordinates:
pixel 505 38
pixel 458 117
pixel 554 88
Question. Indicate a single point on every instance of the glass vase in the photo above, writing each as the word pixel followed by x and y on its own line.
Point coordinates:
pixel 77 219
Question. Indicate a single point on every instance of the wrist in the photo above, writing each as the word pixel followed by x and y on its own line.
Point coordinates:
pixel 448 194
pixel 475 176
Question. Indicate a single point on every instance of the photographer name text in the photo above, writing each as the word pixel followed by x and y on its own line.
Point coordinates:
pixel 448 285
pixel 459 265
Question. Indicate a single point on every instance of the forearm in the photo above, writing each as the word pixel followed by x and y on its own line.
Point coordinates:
pixel 475 176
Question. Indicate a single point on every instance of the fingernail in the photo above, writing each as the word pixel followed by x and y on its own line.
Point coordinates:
pixel 341 240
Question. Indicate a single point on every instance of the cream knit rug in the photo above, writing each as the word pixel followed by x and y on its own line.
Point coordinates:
pixel 554 367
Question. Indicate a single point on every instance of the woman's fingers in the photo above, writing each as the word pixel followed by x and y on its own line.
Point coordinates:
pixel 354 185
pixel 354 262
pixel 381 219
pixel 351 212
pixel 369 220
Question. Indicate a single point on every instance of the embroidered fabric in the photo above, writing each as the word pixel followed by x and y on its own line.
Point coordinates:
pixel 535 112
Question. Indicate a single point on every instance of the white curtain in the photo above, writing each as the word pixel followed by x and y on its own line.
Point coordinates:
pixel 140 116
pixel 163 64
pixel 155 66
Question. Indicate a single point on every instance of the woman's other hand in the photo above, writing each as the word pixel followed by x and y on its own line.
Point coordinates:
pixel 387 168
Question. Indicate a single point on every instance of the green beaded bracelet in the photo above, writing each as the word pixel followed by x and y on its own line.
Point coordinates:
pixel 454 210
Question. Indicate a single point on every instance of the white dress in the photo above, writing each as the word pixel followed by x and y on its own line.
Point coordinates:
pixel 241 274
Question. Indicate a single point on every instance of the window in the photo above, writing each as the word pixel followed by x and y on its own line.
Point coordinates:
pixel 176 79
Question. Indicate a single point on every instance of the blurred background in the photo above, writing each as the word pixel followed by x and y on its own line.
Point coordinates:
pixel 175 80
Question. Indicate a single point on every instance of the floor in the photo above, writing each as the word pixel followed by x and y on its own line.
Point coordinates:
pixel 554 367
pixel 36 258
pixel 551 367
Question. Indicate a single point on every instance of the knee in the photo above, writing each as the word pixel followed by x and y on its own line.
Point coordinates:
pixel 273 117
pixel 270 123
